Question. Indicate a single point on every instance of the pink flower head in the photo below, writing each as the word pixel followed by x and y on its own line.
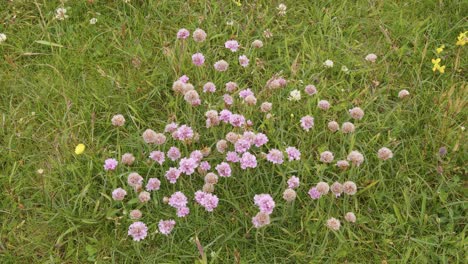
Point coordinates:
pixel 183 211
pixel 178 200
pixel 243 61
pixel 153 184
pixel 197 155
pixel 314 194
pixel 199 35
pixel 173 153
pixel 293 182
pixel 324 105
pixel 166 226
pixel 293 153
pixel 183 33
pixel 242 145
pixel 224 170
pixel 198 59
pixel 260 220
pixel 237 120
pixel 182 133
pixel 228 100
pixel 172 175
pixel 260 139
pixel 205 166
pixel 245 93
pixel 135 180
pixel 170 128
pixel 110 164
pixel 207 200
pixel 232 156
pixel 157 156
pixel 310 89
pixel 307 122
pixel 119 194
pixel 248 161
pixel 225 115
pixel 264 202
pixel 275 156
pixel 184 78
pixel 209 87
pixel 231 86
pixel 188 165
pixel 232 45
pixel 221 65
pixel 138 231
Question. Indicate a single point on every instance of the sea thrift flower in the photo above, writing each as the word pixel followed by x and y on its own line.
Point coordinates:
pixel 350 217
pixel 356 113
pixel 251 100
pixel 79 149
pixel 184 79
pixel 198 59
pixel 197 155
pixel 322 188
pixel 183 211
pixel 328 64
pixel 347 127
pixel 275 156
pixel 135 214
pixel 178 86
pixel 260 140
pixel 384 154
pixel 349 188
pixel 221 146
pixel 166 226
pixel 356 158
pixel 144 197
pixel 371 57
pixel 237 120
pixel 248 161
pixel 231 86
pixel 110 164
pixel 264 202
pixel 243 61
pixel 119 194
pixel 118 120
pixel 183 133
pixel 157 156
pixel 333 224
pixel 178 200
pixel 138 231
pixel 128 159
pixel 205 166
pixel 173 153
pixel 294 95
pixel 293 153
pixel 257 44
pixel 310 89
pixel 207 200
pixel 242 145
pixel 244 93
pixel 223 169
pixel 61 13
pixel 199 35
pixel 336 188
pixel 183 33
pixel 153 184
pixel 225 115
pixel 232 137
pixel 228 100
pixel 232 156
pixel 342 164
pixel 135 180
pixel 172 175
pixel 232 45
pixel 324 105
pixel 293 182
pixel 289 195
pixel 188 165
pixel 442 151
pixel 314 194
pixel 333 126
pixel 209 87
pixel 326 157
pixel 403 93
pixel 221 66
pixel 260 220
pixel 307 122
pixel 149 136
pixel 192 97
pixel 266 107
pixel 211 178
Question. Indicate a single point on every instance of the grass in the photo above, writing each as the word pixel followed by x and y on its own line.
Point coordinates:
pixel 62 81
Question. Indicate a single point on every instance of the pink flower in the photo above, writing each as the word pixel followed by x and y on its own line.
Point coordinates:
pixel 231 86
pixel 242 145
pixel 184 78
pixel 138 231
pixel 199 35
pixel 207 200
pixel 166 226
pixel 310 89
pixel 178 200
pixel 205 166
pixel 157 156
pixel 173 153
pixel 275 156
pixel 198 59
pixel 170 128
pixel 326 157
pixel 135 180
pixel 324 105
pixel 228 100
pixel 221 65
pixel 209 87
pixel 197 155
pixel 110 164
pixel 188 165
pixel 232 156
pixel 260 220
pixel 183 211
pixel 172 175
pixel 248 161
pixel 183 33
pixel 371 57
pixel 293 153
pixel 144 197
pixel 225 115
pixel 260 140
pixel 237 120
pixel 224 170
pixel 243 61
pixel 182 133
pixel 232 45
pixel 293 182
pixel 119 194
pixel 307 122
pixel 245 93
pixel 153 184
pixel 314 194
pixel 264 202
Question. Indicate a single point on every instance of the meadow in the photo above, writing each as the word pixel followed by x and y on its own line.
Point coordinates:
pixel 65 76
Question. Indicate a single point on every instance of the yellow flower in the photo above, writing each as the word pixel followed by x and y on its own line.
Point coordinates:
pixel 442 69
pixel 439 68
pixel 436 61
pixel 80 148
pixel 238 3
pixel 440 49
pixel 462 39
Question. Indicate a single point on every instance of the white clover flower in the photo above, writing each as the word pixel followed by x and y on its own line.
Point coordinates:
pixel 328 64
pixel 61 13
pixel 281 9
pixel 2 37
pixel 295 95
pixel 93 21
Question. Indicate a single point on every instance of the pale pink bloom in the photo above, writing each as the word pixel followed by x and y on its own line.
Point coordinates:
pixel 199 35
pixel 228 100
pixel 225 115
pixel 232 137
pixel 293 153
pixel 333 126
pixel 257 44
pixel 275 156
pixel 356 113
pixel 248 161
pixel 183 33
pixel 128 159
pixel 119 194
pixel 266 107
pixel 135 180
pixel 166 226
pixel 223 169
pixel 135 214
pixel 324 105
pixel 347 127
pixel 221 65
pixel 265 203
pixel 173 153
pixel 307 122
pixel 118 120
pixel 138 231
pixel 110 164
pixel 232 156
pixel 356 158
pixel 349 188
pixel 333 224
pixel 211 178
pixel 350 217
pixel 178 200
pixel 243 61
pixel 207 200
pixel 289 195
pixel 310 89
pixel 231 86
pixel 183 211
pixel 205 166
pixel 232 45
pixel 209 87
pixel 282 82
pixel 384 153
pixel 184 78
pixel 237 120
pixel 249 135
pixel 188 165
pixel 244 93
pixel 198 59
pixel 192 97
pixel 144 197
pixel 260 220
pixel 242 145
pixel 153 184
pixel 336 188
pixel 170 128
pixel 260 139
pixel 172 175
pixel 314 193
pixel 221 145
pixel 293 182
pixel 342 164
pixel 326 157
pixel 371 57
pixel 197 155
pixel 149 136
pixel 157 156
pixel 403 93
pixel 323 188
pixel 250 100
pixel 184 132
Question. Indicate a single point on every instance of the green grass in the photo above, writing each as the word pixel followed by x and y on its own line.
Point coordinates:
pixel 410 209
